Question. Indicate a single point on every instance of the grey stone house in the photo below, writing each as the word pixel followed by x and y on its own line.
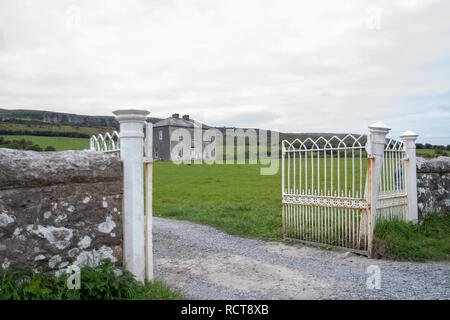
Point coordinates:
pixel 163 132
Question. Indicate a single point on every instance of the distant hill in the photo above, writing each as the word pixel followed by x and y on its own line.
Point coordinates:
pixel 58 118
pixel 48 123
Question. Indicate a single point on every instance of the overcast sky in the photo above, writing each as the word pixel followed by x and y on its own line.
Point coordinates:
pixel 290 65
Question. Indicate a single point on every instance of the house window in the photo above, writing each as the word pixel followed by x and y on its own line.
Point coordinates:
pixel 193 152
pixel 156 152
pixel 192 135
pixel 180 153
pixel 160 135
pixel 180 137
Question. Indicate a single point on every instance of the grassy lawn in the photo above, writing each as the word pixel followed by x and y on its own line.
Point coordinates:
pixel 96 283
pixel 60 143
pixel 233 198
pixel 429 240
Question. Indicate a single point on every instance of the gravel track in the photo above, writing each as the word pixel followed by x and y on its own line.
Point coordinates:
pixel 206 263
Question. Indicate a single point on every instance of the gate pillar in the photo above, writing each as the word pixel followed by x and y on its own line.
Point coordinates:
pixel 409 138
pixel 377 141
pixel 131 152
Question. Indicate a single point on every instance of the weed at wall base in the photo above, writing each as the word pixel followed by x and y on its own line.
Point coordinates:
pixel 103 282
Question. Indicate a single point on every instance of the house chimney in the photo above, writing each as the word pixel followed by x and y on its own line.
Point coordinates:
pixel 176 116
pixel 186 117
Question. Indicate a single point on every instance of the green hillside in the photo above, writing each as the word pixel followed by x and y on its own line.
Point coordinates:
pixel 56 124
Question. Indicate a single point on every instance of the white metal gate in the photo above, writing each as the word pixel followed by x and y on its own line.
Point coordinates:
pixel 323 191
pixel 393 198
pixel 328 192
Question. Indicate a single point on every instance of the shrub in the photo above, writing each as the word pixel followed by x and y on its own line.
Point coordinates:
pixel 12 145
pixel 50 148
pixel 34 147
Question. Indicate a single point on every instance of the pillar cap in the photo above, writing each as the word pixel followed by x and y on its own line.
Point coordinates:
pixel 379 126
pixel 409 135
pixel 131 115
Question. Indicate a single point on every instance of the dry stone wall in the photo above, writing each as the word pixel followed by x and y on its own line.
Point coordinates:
pixel 433 185
pixel 59 208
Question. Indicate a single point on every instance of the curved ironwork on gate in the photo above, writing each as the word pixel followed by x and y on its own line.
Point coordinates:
pixel 105 143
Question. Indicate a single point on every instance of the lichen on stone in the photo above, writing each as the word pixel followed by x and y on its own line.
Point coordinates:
pixel 5 219
pixel 107 226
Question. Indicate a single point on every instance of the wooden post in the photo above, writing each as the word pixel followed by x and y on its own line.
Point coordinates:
pixel 149 202
pixel 368 223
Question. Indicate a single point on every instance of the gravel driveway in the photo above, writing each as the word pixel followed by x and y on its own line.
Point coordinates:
pixel 208 264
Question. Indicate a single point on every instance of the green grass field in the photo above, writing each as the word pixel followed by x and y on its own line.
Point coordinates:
pixel 233 198
pixel 430 153
pixel 60 143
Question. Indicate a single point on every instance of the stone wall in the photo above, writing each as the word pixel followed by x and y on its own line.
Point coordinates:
pixel 59 208
pixel 433 185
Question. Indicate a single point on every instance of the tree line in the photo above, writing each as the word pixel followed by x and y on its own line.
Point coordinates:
pixel 431 146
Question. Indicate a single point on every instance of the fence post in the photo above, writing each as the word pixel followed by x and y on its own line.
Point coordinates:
pixel 131 152
pixel 409 139
pixel 378 132
pixel 148 201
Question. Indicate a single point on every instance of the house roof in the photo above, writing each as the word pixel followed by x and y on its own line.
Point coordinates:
pixel 179 122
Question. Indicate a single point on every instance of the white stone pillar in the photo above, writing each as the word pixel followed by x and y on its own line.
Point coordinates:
pixel 409 138
pixel 131 151
pixel 378 132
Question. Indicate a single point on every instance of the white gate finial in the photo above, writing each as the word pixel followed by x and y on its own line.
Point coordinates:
pixel 379 126
pixel 409 139
pixel 131 152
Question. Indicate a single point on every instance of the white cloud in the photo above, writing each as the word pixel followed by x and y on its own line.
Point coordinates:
pixel 285 64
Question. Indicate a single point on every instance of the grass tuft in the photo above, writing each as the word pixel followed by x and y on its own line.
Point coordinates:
pixel 427 240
